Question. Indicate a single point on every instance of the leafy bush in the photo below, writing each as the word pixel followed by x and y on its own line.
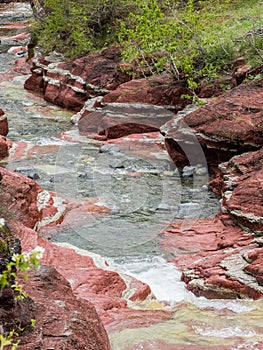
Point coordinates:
pixel 189 39
pixel 174 43
pixel 76 27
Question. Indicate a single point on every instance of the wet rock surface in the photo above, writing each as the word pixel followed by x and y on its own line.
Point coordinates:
pixel 220 257
pixel 216 265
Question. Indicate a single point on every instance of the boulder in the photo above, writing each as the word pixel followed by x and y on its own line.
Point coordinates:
pixel 229 125
pixel 120 119
pixel 24 201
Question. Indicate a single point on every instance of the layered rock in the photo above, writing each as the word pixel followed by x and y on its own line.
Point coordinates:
pixel 216 265
pixel 120 119
pixel 229 125
pixel 26 202
pixel 225 260
pixel 242 196
pixel 86 279
pixel 61 319
pixel 70 84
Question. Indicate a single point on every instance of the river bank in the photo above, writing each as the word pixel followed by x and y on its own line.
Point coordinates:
pixel 69 207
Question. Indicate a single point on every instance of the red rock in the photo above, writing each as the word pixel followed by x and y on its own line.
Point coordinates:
pixel 158 90
pixel 142 290
pixel 70 84
pixel 255 268
pixel 243 189
pixel 229 125
pixel 214 266
pixel 25 201
pixel 4 145
pixel 62 320
pixel 120 119
pixel 22 66
pixel 104 288
pixel 3 123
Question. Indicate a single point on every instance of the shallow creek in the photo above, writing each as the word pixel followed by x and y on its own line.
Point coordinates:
pixel 142 193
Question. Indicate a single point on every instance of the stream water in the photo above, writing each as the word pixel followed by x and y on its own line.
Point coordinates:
pixel 140 207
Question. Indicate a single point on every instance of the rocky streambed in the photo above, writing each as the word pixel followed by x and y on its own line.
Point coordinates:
pixel 119 220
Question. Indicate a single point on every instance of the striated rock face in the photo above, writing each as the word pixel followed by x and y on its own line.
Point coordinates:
pixel 243 190
pixel 225 260
pixel 70 84
pixel 229 125
pixel 120 119
pixel 216 265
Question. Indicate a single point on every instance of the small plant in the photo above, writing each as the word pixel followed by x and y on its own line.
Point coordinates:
pixel 20 263
pixel 7 340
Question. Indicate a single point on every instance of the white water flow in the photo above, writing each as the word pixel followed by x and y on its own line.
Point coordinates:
pixel 162 277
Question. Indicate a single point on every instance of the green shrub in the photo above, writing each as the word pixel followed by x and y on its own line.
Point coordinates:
pixel 76 27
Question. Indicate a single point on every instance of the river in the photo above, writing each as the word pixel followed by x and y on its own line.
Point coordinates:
pixel 60 160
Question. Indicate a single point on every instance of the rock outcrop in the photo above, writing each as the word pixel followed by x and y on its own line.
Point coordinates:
pixel 242 195
pixel 159 90
pixel 63 321
pixel 229 125
pixel 216 265
pixel 70 84
pixel 225 260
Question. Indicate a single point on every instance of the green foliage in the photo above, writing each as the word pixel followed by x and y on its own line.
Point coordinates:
pixel 7 340
pixel 19 263
pixel 76 27
pixel 189 39
pixel 156 42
